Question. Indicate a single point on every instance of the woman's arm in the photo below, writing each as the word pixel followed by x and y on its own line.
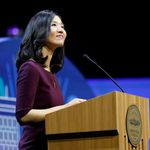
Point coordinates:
pixel 37 115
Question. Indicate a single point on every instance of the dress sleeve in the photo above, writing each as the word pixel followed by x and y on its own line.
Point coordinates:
pixel 27 83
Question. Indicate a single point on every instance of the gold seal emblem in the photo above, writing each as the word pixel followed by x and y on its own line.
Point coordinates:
pixel 134 125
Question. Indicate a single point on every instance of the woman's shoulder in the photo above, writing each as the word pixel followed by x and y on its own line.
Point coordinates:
pixel 29 70
pixel 30 65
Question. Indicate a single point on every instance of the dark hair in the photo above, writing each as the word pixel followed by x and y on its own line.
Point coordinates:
pixel 35 37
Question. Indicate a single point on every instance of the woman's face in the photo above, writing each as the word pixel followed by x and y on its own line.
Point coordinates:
pixel 58 34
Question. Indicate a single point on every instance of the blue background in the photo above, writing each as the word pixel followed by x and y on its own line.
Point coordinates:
pixel 72 82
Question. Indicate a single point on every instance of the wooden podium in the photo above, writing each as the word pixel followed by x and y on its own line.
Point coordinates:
pixel 100 123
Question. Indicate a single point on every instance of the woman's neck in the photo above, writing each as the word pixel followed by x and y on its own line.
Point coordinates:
pixel 49 53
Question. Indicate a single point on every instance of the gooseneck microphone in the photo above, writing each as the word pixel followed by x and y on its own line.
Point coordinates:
pixel 86 56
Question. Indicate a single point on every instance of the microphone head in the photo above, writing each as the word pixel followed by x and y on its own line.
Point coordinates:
pixel 85 55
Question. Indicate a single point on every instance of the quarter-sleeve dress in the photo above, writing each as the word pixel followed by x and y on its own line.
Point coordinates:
pixel 36 88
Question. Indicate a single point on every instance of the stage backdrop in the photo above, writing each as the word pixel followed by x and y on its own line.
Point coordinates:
pixel 72 82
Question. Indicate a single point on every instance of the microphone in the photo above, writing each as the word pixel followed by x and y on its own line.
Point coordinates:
pixel 86 56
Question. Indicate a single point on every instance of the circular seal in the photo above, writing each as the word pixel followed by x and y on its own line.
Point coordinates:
pixel 134 125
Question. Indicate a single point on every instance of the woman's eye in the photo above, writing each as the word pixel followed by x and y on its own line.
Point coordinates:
pixel 53 24
pixel 63 26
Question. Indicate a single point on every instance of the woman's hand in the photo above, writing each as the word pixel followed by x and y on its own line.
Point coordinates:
pixel 75 101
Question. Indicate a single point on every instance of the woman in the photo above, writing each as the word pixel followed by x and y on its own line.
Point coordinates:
pixel 41 55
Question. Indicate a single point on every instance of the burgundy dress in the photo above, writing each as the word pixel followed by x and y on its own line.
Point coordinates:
pixel 36 89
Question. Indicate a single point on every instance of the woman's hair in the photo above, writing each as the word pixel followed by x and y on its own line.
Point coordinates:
pixel 35 37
